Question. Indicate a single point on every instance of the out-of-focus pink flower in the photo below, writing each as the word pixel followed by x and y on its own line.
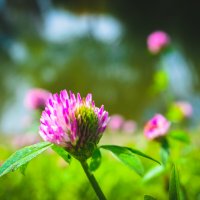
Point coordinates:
pixel 157 40
pixel 74 123
pixel 185 108
pixel 116 122
pixel 36 98
pixel 129 126
pixel 156 127
pixel 20 141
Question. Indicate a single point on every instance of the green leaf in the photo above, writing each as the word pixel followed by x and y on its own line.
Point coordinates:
pixel 62 152
pixel 23 168
pixel 148 197
pixel 126 157
pixel 23 156
pixel 174 188
pixel 142 154
pixel 95 160
pixel 164 151
pixel 180 135
pixel 134 151
pixel 164 154
pixel 156 171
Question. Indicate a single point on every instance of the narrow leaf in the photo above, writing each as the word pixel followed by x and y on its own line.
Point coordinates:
pixel 95 160
pixel 134 151
pixel 164 151
pixel 174 188
pixel 126 157
pixel 23 156
pixel 156 171
pixel 164 154
pixel 142 154
pixel 23 168
pixel 62 152
pixel 148 197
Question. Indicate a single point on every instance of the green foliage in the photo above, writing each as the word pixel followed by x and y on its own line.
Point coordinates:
pixel 95 160
pixel 62 152
pixel 174 188
pixel 154 172
pixel 148 197
pixel 164 150
pixel 142 154
pixel 128 156
pixel 23 156
pixel 49 177
pixel 180 135
pixel 23 168
pixel 133 151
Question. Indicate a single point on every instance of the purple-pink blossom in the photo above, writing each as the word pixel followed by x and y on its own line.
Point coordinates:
pixel 73 122
pixel 116 122
pixel 36 98
pixel 157 40
pixel 156 127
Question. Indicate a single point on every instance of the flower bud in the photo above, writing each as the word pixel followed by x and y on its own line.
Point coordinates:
pixel 157 40
pixel 156 127
pixel 36 98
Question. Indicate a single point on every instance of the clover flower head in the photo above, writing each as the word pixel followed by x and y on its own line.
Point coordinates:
pixel 74 123
pixel 36 98
pixel 157 41
pixel 156 127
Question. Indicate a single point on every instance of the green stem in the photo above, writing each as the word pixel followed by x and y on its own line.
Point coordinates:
pixel 93 181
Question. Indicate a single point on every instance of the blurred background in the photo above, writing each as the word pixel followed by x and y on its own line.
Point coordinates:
pixel 98 47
